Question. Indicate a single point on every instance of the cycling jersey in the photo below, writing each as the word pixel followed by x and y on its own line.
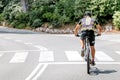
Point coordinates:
pixel 87 23
pixel 87 29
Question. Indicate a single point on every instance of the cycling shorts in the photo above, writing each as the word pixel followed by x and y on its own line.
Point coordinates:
pixel 90 34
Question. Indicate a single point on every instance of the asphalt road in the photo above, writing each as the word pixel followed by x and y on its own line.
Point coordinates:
pixel 56 57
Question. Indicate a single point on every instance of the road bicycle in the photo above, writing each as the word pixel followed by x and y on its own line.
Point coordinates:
pixel 87 52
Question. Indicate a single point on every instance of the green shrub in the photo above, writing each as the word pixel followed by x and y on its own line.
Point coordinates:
pixel 21 26
pixel 11 10
pixel 15 23
pixel 22 17
pixel 56 24
pixel 32 16
pixel 37 23
pixel 18 25
pixel 1 18
pixel 116 19
pixel 47 16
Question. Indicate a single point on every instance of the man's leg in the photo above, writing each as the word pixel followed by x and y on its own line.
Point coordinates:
pixel 93 52
pixel 82 43
pixel 93 55
pixel 82 47
pixel 92 43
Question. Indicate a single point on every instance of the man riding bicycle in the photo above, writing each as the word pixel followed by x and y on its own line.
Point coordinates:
pixel 86 25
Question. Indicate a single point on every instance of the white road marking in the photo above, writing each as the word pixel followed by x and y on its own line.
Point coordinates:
pixel 19 51
pixel 28 43
pixel 101 56
pixel 34 72
pixel 118 52
pixel 19 57
pixel 40 72
pixel 107 63
pixel 46 56
pixel 73 56
pixel 18 40
pixel 40 47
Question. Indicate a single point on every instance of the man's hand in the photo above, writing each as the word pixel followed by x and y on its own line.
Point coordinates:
pixel 99 29
pixel 77 35
pixel 98 34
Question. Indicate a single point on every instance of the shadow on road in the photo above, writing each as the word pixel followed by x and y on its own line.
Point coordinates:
pixel 95 71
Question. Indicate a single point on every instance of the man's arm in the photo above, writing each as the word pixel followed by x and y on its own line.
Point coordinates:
pixel 99 29
pixel 76 29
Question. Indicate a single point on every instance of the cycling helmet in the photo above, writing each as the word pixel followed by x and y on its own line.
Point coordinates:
pixel 87 13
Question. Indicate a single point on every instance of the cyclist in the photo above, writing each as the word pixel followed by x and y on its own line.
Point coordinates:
pixel 86 26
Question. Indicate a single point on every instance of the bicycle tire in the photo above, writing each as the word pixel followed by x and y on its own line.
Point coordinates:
pixel 88 62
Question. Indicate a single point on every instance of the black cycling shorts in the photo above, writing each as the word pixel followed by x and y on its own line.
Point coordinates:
pixel 91 35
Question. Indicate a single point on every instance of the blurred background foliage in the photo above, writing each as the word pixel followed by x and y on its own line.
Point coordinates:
pixel 34 13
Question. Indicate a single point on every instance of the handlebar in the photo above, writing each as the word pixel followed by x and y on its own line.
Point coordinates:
pixel 78 35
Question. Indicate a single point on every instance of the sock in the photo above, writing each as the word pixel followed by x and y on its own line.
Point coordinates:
pixel 82 49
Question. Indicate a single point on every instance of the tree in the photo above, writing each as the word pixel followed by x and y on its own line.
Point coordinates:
pixel 24 5
pixel 103 9
pixel 116 20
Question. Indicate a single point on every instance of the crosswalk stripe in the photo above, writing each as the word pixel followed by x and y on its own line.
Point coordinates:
pixel 101 56
pixel 19 57
pixel 73 56
pixel 28 43
pixel 46 56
